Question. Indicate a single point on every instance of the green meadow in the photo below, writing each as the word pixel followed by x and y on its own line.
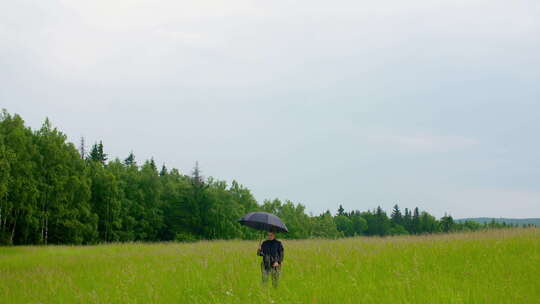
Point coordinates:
pixel 499 266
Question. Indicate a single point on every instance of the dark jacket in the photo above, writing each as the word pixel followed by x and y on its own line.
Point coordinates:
pixel 271 251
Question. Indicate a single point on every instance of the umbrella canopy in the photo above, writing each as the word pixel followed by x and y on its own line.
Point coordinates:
pixel 263 221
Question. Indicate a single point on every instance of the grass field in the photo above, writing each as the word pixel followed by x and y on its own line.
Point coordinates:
pixel 500 266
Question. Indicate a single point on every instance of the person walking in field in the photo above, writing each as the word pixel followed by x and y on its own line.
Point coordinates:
pixel 272 252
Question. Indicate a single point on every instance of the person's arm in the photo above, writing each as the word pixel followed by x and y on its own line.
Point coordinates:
pixel 281 253
pixel 259 251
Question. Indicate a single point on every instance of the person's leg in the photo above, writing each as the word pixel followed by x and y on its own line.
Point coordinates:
pixel 265 273
pixel 276 272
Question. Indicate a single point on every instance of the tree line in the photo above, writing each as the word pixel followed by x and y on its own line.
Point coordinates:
pixel 52 192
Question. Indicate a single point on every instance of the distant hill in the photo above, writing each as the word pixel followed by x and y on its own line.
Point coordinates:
pixel 482 220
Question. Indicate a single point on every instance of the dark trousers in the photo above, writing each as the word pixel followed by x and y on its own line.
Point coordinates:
pixel 273 272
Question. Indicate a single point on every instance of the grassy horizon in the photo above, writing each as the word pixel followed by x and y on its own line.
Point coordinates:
pixel 498 266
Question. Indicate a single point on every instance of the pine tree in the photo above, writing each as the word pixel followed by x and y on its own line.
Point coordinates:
pixel 82 148
pixel 416 227
pixel 341 211
pixel 102 155
pixel 198 205
pixel 97 154
pixel 407 220
pixel 153 164
pixel 447 223
pixel 130 160
pixel 163 171
pixel 196 177
pixel 397 217
pixel 94 153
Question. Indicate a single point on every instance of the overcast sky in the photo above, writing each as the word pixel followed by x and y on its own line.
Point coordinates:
pixel 422 103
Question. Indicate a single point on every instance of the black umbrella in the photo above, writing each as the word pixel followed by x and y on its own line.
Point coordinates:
pixel 263 221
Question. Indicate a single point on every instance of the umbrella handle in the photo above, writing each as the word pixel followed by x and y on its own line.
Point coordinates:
pixel 262 238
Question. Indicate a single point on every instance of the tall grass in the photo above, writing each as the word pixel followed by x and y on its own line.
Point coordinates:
pixel 501 266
